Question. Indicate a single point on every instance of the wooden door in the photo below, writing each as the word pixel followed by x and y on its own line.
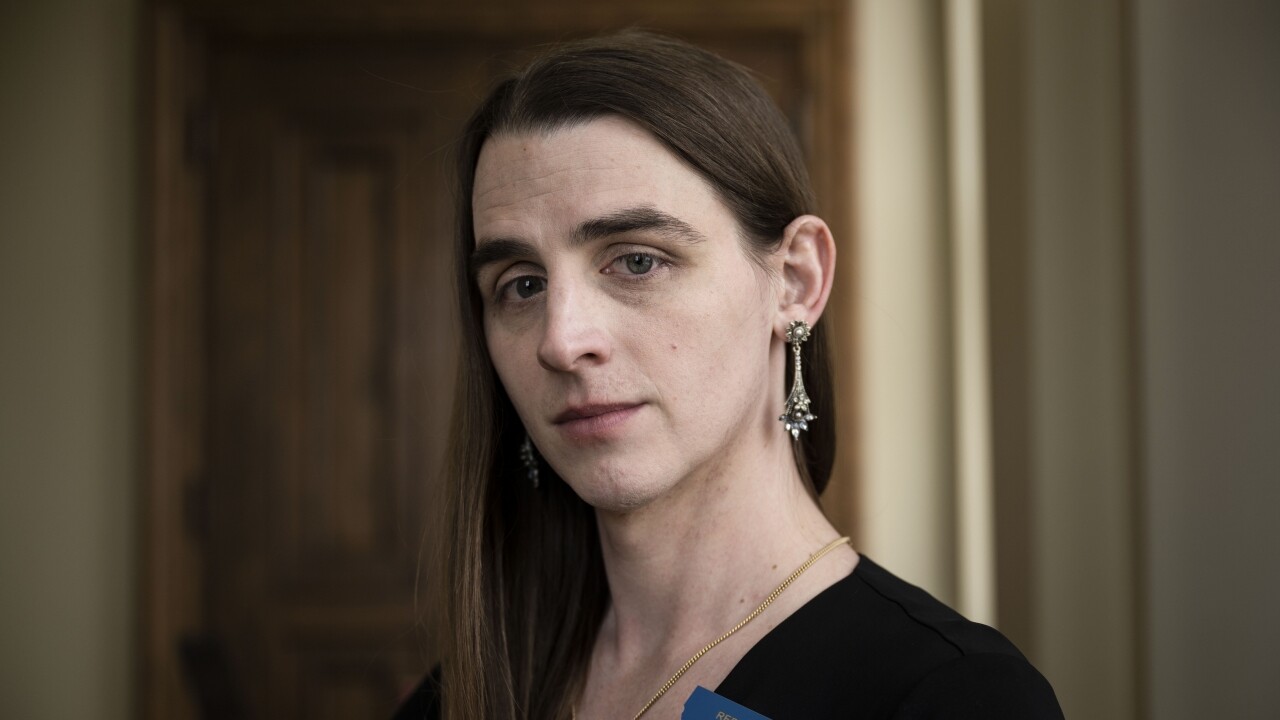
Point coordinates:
pixel 330 362
pixel 324 355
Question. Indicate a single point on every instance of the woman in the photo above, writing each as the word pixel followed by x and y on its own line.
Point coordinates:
pixel 631 476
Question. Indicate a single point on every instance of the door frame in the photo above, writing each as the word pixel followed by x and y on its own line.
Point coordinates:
pixel 175 142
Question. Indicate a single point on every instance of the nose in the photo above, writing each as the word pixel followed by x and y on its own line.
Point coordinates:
pixel 573 331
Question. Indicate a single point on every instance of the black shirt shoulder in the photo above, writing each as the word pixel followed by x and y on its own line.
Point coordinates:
pixel 985 685
pixel 875 646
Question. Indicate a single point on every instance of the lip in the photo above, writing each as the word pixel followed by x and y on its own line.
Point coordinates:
pixel 595 421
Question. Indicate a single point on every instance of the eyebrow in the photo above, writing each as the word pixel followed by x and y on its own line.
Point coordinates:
pixel 643 217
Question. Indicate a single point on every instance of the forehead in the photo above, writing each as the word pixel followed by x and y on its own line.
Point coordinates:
pixel 568 174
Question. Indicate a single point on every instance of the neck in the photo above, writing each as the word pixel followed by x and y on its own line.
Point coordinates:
pixel 707 553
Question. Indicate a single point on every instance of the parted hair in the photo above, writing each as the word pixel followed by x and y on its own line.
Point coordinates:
pixel 523 585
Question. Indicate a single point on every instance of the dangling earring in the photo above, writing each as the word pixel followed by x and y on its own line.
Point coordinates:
pixel 529 460
pixel 796 416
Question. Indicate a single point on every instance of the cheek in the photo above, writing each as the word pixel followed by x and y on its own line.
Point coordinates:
pixel 714 348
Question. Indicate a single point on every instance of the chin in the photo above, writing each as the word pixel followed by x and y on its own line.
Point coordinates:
pixel 616 492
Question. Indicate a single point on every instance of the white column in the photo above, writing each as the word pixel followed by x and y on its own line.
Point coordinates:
pixel 906 455
pixel 975 506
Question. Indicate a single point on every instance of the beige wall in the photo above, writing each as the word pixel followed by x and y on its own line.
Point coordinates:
pixel 960 164
pixel 67 359
pixel 1083 571
pixel 1209 117
pixel 1131 189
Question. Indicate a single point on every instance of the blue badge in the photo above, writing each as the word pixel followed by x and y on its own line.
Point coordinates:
pixel 706 705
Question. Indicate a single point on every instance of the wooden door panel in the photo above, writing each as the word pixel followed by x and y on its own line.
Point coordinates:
pixel 338 501
pixel 330 316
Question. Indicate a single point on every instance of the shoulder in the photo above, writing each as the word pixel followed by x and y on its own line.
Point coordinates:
pixel 986 685
pixel 873 645
pixel 984 677
pixel 877 596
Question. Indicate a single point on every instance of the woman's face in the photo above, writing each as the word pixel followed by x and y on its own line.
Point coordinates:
pixel 625 319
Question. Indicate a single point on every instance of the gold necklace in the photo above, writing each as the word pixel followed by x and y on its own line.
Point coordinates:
pixel 759 609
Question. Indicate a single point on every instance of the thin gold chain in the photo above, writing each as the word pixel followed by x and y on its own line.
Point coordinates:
pixel 754 613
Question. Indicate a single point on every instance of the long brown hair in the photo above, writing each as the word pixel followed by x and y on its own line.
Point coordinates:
pixel 524 579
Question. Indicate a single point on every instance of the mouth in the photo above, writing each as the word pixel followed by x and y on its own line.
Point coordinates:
pixel 586 412
pixel 595 421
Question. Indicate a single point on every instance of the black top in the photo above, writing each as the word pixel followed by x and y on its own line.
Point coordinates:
pixel 870 646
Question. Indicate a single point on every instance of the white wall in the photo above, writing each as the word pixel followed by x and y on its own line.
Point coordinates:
pixel 1209 142
pixel 67 359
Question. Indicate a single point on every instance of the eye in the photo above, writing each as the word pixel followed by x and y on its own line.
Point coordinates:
pixel 527 286
pixel 639 263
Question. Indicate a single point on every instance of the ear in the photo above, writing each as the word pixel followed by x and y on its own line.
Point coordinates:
pixel 808 257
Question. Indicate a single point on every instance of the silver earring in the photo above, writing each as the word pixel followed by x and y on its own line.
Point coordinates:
pixel 529 460
pixel 796 415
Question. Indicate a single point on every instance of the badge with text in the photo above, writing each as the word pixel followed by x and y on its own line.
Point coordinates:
pixel 706 705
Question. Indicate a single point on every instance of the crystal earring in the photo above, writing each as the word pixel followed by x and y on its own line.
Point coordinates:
pixel 529 460
pixel 796 415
